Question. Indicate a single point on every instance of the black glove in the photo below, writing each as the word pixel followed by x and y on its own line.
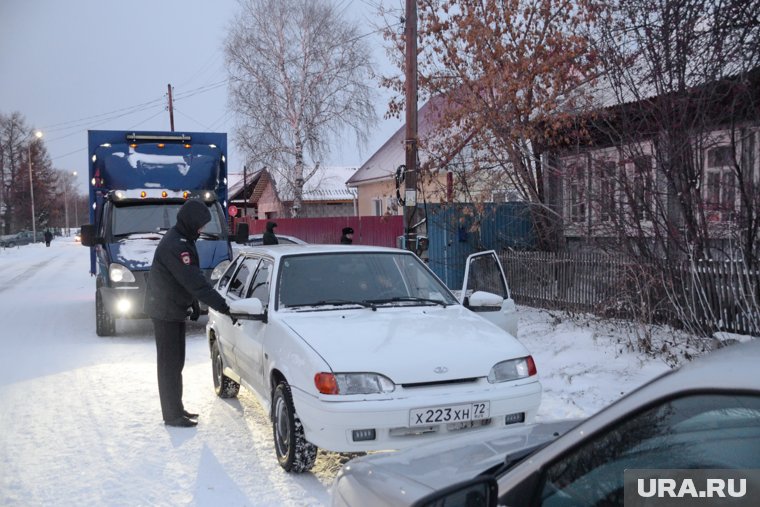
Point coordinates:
pixel 196 311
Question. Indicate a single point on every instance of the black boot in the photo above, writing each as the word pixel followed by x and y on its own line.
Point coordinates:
pixel 181 422
pixel 189 415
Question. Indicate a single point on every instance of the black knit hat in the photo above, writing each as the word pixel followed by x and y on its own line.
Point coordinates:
pixel 348 230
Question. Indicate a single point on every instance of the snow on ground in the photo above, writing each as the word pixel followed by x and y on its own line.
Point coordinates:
pixel 80 422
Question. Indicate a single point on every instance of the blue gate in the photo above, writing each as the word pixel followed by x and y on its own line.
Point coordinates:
pixel 458 230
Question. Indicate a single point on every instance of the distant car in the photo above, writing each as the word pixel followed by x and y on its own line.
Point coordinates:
pixel 78 237
pixel 20 238
pixel 258 239
pixel 705 415
pixel 358 348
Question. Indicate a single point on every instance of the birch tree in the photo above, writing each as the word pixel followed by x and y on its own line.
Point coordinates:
pixel 300 80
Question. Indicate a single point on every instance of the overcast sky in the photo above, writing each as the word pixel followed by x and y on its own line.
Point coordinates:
pixel 73 65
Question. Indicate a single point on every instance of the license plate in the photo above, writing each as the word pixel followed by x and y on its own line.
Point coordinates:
pixel 449 414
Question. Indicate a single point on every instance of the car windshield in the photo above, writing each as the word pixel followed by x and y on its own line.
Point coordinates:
pixel 146 218
pixel 367 279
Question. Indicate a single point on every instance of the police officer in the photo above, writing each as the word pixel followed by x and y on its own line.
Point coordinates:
pixel 175 285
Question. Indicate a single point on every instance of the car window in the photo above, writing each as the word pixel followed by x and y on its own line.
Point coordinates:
pixel 485 275
pixel 238 283
pixel 259 287
pixel 227 276
pixel 699 431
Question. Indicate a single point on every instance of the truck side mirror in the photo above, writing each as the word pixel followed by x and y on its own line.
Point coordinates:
pixel 241 235
pixel 88 235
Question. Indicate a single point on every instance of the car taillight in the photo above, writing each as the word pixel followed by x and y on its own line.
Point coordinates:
pixel 326 383
pixel 531 366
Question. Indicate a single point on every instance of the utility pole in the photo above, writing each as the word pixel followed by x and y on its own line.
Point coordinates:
pixel 245 187
pixel 410 88
pixel 171 108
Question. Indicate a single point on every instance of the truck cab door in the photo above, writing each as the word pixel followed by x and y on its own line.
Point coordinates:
pixel 485 291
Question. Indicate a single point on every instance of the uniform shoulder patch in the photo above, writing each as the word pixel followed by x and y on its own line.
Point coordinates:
pixel 185 256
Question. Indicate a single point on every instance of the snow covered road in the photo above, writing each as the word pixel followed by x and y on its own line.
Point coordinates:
pixel 80 422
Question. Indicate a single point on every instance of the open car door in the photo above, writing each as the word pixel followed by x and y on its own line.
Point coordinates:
pixel 485 291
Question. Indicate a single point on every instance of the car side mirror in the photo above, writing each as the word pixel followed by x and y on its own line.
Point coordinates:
pixel 481 491
pixel 87 234
pixel 241 235
pixel 481 298
pixel 248 309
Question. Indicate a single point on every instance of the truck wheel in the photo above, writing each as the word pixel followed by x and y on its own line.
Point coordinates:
pixel 224 386
pixel 294 452
pixel 105 325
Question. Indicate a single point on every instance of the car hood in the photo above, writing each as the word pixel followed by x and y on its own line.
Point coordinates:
pixel 407 344
pixel 402 477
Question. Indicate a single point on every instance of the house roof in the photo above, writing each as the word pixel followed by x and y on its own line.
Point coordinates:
pixel 327 184
pixel 235 187
pixel 384 162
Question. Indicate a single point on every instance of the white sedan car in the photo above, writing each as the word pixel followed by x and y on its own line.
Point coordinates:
pixel 354 348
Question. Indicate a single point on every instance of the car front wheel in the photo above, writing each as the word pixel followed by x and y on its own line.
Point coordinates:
pixel 224 386
pixel 105 325
pixel 294 452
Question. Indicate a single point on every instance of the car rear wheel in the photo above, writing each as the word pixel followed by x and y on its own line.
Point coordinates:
pixel 294 452
pixel 10 244
pixel 224 386
pixel 105 324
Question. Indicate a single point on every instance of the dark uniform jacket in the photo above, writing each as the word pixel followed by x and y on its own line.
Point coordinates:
pixel 269 238
pixel 175 278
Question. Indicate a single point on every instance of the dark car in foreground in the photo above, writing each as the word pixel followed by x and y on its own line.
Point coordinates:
pixel 704 415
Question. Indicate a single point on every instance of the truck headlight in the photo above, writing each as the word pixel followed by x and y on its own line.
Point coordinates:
pixel 219 270
pixel 118 273
pixel 512 370
pixel 353 383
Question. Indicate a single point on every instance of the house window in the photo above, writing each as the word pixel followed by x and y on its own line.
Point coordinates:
pixel 377 207
pixel 576 176
pixel 606 202
pixel 643 180
pixel 720 184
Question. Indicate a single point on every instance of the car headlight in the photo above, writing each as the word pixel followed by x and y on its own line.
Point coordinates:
pixel 512 370
pixel 219 270
pixel 118 273
pixel 353 383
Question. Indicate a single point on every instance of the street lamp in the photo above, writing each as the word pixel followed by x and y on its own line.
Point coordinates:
pixel 76 211
pixel 38 135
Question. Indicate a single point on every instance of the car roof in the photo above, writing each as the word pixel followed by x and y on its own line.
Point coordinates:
pixel 284 250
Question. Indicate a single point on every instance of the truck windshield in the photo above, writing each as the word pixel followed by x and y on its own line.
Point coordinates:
pixel 147 218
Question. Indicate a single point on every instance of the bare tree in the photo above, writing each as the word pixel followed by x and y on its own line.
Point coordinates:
pixel 511 74
pixel 300 77
pixel 680 189
pixel 17 144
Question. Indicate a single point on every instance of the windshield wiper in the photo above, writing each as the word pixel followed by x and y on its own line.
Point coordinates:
pixel 128 235
pixel 406 299
pixel 338 302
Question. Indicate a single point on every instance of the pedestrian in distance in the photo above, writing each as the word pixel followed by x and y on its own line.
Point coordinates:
pixel 48 237
pixel 175 286
pixel 269 238
pixel 348 236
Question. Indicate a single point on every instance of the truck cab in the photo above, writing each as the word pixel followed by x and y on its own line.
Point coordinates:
pixel 138 183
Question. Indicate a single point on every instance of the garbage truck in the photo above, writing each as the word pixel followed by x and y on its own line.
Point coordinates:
pixel 138 182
